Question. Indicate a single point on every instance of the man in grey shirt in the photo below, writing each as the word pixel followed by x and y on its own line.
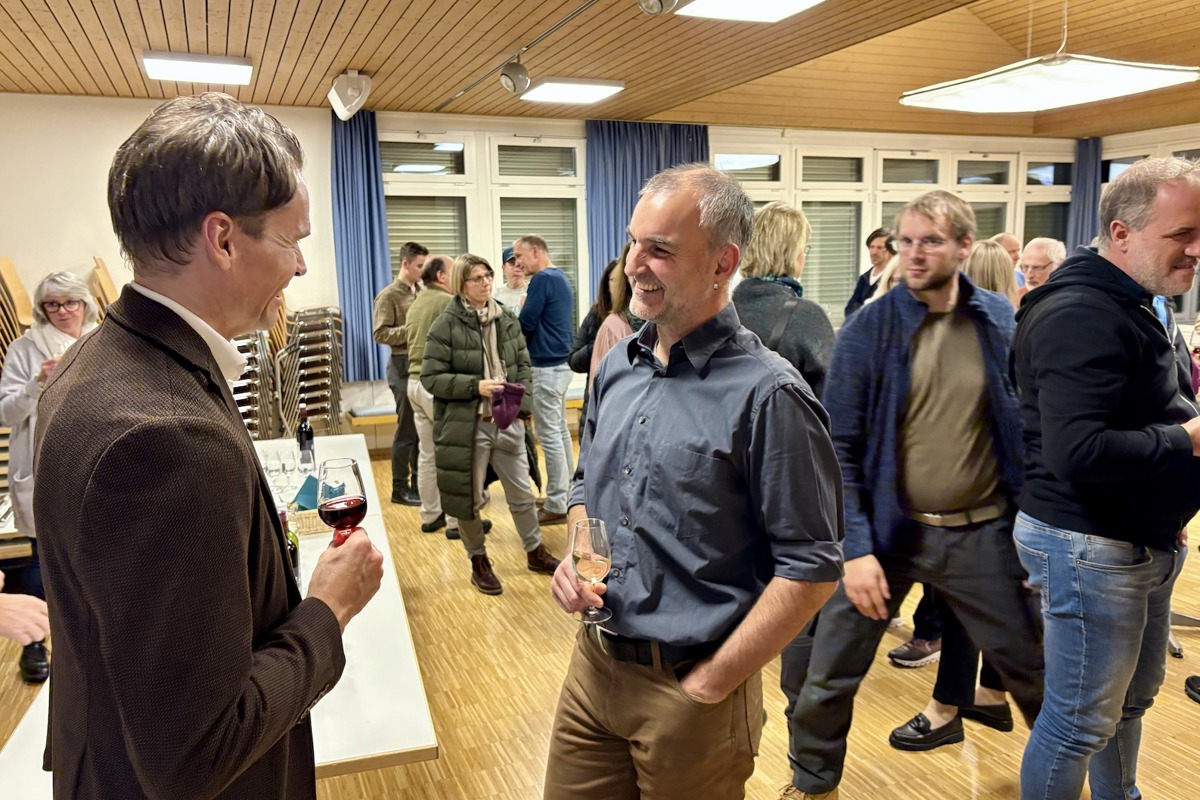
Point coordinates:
pixel 710 462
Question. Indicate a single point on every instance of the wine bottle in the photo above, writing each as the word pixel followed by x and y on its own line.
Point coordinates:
pixel 304 434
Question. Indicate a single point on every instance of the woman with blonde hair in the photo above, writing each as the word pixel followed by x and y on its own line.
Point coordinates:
pixel 63 310
pixel 770 300
pixel 990 267
pixel 891 275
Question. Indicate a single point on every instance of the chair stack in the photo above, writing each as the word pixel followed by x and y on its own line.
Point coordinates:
pixel 16 316
pixel 102 286
pixel 308 369
pixel 254 391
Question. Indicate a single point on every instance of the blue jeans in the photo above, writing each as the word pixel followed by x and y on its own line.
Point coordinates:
pixel 1107 609
pixel 550 423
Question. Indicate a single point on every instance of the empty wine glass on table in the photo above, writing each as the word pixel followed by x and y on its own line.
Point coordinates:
pixel 591 557
pixel 341 501
pixel 288 462
pixel 307 464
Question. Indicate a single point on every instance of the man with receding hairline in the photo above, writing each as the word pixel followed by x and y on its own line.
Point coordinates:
pixel 1112 476
pixel 698 443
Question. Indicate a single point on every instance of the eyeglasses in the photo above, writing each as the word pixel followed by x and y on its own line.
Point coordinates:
pixel 928 243
pixel 478 279
pixel 52 307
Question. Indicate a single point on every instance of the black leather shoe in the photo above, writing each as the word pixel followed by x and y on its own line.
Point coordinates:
pixel 406 497
pixel 455 533
pixel 916 735
pixel 34 663
pixel 1192 687
pixel 436 525
pixel 998 716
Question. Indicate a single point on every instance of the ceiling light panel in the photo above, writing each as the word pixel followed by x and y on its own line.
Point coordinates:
pixel 188 68
pixel 746 10
pixel 571 90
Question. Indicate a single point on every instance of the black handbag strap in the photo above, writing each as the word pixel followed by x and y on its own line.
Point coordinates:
pixel 781 320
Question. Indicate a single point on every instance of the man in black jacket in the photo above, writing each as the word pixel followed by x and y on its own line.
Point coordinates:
pixel 1112 478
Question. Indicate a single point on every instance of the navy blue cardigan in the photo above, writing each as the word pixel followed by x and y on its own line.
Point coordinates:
pixel 866 391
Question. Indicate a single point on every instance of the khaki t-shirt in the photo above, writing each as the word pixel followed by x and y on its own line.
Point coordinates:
pixel 947 457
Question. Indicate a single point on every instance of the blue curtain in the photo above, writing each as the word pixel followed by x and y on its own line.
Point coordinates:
pixel 360 242
pixel 1083 222
pixel 621 156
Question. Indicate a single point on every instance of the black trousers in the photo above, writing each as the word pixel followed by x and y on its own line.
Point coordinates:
pixel 404 444
pixel 975 571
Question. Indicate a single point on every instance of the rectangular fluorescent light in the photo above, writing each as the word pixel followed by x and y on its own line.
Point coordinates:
pixel 1039 84
pixel 746 10
pixel 571 90
pixel 188 68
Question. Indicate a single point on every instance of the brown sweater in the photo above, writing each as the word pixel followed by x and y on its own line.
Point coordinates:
pixel 185 660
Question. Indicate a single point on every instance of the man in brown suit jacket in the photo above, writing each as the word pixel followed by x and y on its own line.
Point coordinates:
pixel 185 659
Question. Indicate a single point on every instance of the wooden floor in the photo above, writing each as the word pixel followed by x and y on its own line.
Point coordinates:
pixel 493 665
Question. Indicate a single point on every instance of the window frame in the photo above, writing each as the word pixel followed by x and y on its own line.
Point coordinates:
pixel 941 157
pixel 579 195
pixel 785 163
pixel 965 189
pixel 495 141
pixel 863 186
pixel 466 139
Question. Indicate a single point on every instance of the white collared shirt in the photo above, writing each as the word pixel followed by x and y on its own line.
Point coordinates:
pixel 231 363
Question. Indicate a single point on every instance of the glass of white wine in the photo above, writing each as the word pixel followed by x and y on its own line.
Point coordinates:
pixel 591 557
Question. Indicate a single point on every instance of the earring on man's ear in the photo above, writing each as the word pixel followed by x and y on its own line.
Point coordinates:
pixel 715 285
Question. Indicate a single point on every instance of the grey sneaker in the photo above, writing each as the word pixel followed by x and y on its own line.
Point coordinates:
pixel 916 653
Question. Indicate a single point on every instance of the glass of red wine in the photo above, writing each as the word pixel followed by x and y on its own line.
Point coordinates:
pixel 341 502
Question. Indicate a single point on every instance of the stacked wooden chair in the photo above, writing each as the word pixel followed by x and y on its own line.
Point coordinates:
pixel 308 369
pixel 254 391
pixel 16 316
pixel 102 286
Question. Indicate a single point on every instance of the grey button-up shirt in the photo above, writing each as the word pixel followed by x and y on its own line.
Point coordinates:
pixel 713 474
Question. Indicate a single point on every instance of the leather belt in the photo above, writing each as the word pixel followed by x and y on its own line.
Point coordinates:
pixel 645 652
pixel 995 509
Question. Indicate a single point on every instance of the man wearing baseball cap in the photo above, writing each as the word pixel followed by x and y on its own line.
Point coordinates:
pixel 511 293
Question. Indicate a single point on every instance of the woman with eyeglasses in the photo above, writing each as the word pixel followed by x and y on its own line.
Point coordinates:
pixel 63 310
pixel 472 350
pixel 770 300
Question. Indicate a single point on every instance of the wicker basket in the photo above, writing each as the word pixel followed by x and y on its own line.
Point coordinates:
pixel 307 522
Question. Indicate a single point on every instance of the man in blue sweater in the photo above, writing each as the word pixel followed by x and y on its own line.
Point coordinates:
pixel 548 323
pixel 926 427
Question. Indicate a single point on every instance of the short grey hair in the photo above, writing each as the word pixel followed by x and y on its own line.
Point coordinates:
pixel 1130 197
pixel 68 285
pixel 726 213
pixel 1053 249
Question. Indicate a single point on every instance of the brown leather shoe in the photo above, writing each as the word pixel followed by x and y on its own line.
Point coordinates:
pixel 482 576
pixel 550 518
pixel 540 560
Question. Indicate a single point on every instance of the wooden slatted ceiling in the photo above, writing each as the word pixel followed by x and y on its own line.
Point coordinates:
pixel 857 88
pixel 817 69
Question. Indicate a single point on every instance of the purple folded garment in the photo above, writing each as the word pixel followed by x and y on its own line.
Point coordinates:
pixel 507 404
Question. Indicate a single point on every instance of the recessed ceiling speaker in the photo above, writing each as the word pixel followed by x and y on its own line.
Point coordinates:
pixel 656 8
pixel 349 92
pixel 514 77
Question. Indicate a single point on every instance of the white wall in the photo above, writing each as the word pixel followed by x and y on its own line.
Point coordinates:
pixel 54 158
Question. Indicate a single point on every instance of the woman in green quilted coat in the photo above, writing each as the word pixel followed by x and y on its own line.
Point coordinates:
pixel 472 349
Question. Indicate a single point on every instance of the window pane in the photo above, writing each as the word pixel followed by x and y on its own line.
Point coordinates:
pixel 749 167
pixel 1190 155
pixel 831 169
pixel 1049 173
pixel 553 219
pixel 438 223
pixel 890 210
pixel 831 267
pixel 910 170
pixel 537 162
pixel 1046 219
pixel 983 173
pixel 1112 167
pixel 422 158
pixel 989 219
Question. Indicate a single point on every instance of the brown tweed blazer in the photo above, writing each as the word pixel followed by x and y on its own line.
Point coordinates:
pixel 185 661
